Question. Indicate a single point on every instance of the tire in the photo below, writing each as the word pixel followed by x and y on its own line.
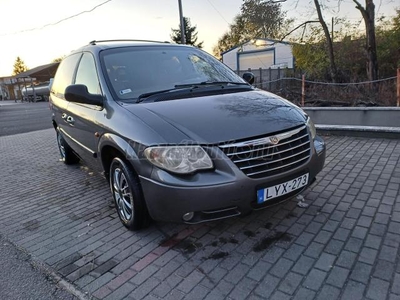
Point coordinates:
pixel 66 153
pixel 128 196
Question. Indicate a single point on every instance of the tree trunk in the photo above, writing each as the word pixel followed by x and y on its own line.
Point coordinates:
pixel 368 14
pixel 329 44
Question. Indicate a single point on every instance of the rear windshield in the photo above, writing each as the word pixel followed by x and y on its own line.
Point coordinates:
pixel 133 71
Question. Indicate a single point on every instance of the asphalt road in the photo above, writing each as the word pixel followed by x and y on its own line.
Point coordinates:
pixel 21 279
pixel 23 117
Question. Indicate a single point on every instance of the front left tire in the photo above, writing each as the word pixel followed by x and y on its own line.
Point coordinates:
pixel 128 196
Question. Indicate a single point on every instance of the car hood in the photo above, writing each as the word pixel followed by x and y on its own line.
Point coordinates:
pixel 219 118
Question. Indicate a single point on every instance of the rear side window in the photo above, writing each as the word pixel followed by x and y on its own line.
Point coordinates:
pixel 64 75
pixel 87 74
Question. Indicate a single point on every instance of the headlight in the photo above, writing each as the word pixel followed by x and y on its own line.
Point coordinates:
pixel 179 159
pixel 311 126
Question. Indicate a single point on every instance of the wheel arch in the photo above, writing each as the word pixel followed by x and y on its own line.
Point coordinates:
pixel 111 145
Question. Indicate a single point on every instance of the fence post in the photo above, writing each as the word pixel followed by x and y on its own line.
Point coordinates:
pixel 398 87
pixel 261 80
pixel 303 88
pixel 270 79
pixel 279 79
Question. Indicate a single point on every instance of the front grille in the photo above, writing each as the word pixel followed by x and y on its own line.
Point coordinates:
pixel 262 157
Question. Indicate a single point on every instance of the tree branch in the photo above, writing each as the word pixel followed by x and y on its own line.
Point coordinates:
pixel 297 27
pixel 361 9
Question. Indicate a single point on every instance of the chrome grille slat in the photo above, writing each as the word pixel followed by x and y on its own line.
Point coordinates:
pixel 272 154
pixel 261 141
pixel 250 174
pixel 282 159
pixel 258 158
pixel 271 146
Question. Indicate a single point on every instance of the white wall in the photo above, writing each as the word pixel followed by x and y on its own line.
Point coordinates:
pixel 256 60
pixel 229 59
pixel 283 55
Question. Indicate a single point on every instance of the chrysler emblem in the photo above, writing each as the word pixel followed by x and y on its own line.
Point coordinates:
pixel 274 140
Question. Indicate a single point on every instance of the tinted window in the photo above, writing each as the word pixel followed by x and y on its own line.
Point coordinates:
pixel 87 74
pixel 133 71
pixel 64 75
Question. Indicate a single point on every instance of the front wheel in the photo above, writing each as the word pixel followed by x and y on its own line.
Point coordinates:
pixel 127 194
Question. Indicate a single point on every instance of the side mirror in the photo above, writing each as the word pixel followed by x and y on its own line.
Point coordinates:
pixel 79 93
pixel 249 77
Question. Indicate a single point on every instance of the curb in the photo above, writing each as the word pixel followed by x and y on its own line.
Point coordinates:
pixel 360 131
pixel 51 273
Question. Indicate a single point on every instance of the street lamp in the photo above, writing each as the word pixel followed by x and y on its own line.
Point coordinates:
pixel 183 38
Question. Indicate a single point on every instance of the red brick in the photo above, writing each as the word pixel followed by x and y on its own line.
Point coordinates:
pixel 121 279
pixel 144 262
pixel 102 292
pixel 160 250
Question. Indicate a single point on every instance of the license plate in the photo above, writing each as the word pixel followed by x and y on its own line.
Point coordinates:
pixel 282 188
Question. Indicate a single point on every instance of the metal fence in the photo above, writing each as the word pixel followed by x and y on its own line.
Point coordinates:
pixel 289 84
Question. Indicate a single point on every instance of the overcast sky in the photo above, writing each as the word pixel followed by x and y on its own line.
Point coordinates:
pixel 135 19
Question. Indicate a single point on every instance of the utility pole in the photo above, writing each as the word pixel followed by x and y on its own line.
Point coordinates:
pixel 183 38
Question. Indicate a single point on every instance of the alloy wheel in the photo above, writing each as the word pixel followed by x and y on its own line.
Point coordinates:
pixel 122 195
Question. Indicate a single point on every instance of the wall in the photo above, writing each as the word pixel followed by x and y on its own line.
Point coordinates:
pixel 281 55
pixel 356 116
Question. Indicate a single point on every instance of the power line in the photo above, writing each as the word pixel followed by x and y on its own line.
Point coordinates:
pixel 58 22
pixel 218 11
pixel 327 83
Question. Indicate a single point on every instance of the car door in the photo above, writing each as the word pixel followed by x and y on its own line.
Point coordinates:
pixel 82 117
pixel 64 77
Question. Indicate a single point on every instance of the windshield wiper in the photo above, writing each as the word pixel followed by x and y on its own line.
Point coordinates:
pixel 142 97
pixel 191 87
pixel 203 83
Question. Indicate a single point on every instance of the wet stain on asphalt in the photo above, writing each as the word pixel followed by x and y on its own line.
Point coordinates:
pixel 74 217
pixel 31 225
pixel 269 240
pixel 249 233
pixel 218 255
pixel 291 215
pixel 188 246
pixel 268 225
pixel 224 240
pixel 233 241
pixel 169 241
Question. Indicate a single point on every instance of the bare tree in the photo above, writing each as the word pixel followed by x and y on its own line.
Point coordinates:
pixel 368 14
pixel 329 43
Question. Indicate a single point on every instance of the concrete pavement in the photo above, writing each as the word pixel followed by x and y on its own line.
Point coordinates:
pixel 344 245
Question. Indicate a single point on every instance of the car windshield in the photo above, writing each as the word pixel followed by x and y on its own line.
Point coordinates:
pixel 134 71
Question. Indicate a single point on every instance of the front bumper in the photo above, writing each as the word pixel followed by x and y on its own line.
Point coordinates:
pixel 221 193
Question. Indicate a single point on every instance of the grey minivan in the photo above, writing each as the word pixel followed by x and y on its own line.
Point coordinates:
pixel 178 135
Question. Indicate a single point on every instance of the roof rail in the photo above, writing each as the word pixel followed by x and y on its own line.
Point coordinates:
pixel 125 40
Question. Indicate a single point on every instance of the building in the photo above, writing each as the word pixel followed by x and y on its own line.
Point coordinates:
pixel 259 53
pixel 11 86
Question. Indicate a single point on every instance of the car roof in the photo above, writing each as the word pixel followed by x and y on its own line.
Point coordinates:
pixel 107 44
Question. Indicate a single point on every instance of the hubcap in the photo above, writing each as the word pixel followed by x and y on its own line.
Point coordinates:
pixel 122 195
pixel 61 146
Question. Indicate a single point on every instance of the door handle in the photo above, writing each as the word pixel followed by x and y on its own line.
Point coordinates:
pixel 70 120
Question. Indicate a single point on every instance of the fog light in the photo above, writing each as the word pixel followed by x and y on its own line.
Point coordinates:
pixel 188 216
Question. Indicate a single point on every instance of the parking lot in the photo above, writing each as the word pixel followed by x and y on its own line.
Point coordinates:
pixel 345 244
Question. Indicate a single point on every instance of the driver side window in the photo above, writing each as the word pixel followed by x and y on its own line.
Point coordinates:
pixel 87 74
